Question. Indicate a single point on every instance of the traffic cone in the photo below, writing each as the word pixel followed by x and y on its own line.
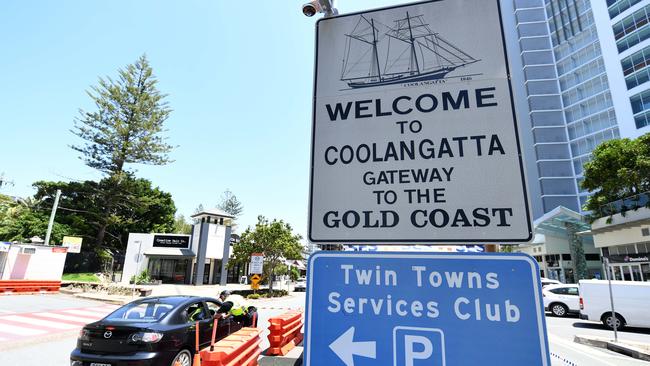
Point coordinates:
pixel 197 354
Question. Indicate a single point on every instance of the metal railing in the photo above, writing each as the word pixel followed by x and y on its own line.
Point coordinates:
pixel 623 205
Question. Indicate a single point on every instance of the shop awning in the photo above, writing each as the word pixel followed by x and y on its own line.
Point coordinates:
pixel 555 222
pixel 169 252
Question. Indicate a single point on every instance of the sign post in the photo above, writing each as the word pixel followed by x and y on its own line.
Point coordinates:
pixel 431 309
pixel 414 136
pixel 256 268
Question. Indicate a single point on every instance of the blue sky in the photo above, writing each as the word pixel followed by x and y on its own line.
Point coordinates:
pixel 238 75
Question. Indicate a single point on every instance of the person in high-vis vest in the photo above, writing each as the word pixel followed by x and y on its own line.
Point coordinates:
pixel 232 305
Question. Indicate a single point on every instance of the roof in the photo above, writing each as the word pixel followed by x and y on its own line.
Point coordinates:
pixel 213 212
pixel 554 222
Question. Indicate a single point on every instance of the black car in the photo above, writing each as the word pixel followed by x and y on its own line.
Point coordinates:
pixel 156 331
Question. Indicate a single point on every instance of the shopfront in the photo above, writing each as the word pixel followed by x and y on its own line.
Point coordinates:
pixel 170 270
pixel 199 259
pixel 624 239
pixel 629 267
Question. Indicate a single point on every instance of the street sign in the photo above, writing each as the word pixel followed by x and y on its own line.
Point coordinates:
pixel 417 309
pixel 73 243
pixel 414 136
pixel 255 281
pixel 257 263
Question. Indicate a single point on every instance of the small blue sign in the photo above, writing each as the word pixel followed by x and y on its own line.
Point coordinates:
pixel 417 309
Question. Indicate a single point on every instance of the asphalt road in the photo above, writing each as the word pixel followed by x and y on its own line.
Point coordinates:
pixel 54 351
pixel 564 351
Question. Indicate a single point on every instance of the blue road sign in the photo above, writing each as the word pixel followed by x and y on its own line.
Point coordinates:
pixel 416 309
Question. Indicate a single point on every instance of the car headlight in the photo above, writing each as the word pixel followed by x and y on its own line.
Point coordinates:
pixel 145 337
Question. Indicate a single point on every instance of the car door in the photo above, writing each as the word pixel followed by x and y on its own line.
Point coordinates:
pixel 224 326
pixel 193 313
pixel 573 298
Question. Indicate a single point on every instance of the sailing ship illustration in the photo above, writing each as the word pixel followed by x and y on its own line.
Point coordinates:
pixel 408 51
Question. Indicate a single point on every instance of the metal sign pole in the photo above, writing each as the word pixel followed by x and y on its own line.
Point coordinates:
pixel 611 298
pixel 137 268
pixel 52 214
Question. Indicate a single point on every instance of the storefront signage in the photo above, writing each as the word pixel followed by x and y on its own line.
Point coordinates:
pixel 73 243
pixel 171 241
pixel 629 258
pixel 414 136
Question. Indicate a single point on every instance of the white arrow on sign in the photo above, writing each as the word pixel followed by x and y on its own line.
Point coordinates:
pixel 345 347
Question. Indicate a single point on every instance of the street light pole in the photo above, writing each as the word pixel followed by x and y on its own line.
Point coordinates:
pixel 137 267
pixel 611 297
pixel 51 223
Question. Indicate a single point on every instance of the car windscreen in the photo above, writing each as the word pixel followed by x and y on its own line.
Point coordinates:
pixel 141 312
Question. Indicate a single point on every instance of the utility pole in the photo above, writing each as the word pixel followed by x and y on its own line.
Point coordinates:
pixel 49 226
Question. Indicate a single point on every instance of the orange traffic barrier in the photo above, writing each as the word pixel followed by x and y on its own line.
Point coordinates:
pixel 197 354
pixel 241 348
pixel 28 286
pixel 285 332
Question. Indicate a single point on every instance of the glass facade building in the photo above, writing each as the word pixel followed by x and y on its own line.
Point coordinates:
pixel 580 74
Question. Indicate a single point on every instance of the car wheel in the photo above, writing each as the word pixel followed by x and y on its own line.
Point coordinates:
pixel 559 309
pixel 183 358
pixel 609 321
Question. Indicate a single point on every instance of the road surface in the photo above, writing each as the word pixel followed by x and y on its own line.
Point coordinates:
pixel 64 316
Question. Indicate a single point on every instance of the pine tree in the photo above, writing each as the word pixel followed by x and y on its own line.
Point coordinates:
pixel 126 128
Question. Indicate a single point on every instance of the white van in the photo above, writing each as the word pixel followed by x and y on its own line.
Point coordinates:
pixel 631 303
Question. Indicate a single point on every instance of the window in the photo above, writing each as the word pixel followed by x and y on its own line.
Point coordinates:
pixel 141 311
pixel 213 307
pixel 632 29
pixel 566 257
pixel 194 312
pixel 640 102
pixel 592 257
pixel 645 231
pixel 631 23
pixel 617 7
pixel 635 68
pixel 572 291
pixel 560 291
pixel 642 120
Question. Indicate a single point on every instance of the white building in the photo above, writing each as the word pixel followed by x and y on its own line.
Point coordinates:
pixel 200 258
pixel 31 262
pixel 625 241
pixel 580 77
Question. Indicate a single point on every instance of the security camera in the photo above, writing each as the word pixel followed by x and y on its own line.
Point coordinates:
pixel 311 8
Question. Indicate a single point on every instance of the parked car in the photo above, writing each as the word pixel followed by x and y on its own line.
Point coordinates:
pixel 548 281
pixel 631 302
pixel 301 285
pixel 561 300
pixel 151 331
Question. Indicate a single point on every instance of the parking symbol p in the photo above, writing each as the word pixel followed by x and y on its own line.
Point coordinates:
pixel 415 346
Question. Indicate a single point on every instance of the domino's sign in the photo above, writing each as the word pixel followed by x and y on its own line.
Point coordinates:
pixel 417 309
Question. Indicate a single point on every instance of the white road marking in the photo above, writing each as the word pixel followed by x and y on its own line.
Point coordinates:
pixel 13 329
pixel 71 318
pixel 39 322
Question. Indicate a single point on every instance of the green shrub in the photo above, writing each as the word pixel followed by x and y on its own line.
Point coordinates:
pixel 253 296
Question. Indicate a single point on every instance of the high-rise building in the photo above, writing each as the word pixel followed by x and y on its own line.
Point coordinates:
pixel 580 76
